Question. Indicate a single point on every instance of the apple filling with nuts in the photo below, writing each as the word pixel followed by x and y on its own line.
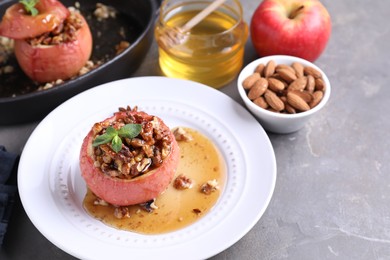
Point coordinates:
pixel 129 158
pixel 64 32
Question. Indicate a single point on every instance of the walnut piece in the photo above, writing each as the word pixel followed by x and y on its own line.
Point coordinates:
pixel 6 49
pixel 149 206
pixel 100 202
pixel 121 212
pixel 209 187
pixel 104 12
pixel 182 182
pixel 182 135
pixel 123 45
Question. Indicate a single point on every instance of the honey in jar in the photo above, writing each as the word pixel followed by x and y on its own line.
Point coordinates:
pixel 212 51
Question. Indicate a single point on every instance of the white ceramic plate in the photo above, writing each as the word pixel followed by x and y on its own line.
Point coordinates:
pixel 52 190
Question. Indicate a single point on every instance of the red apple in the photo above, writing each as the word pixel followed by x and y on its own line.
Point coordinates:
pixel 291 27
pixel 18 24
pixel 123 192
pixel 47 63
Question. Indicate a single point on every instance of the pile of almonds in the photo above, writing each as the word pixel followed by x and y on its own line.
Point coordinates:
pixel 285 88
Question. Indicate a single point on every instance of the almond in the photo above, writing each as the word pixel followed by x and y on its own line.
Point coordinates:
pixel 275 84
pixel 284 66
pixel 298 67
pixel 298 84
pixel 312 71
pixel 305 95
pixel 297 102
pixel 287 75
pixel 317 97
pixel 269 68
pixel 260 68
pixel 289 109
pixel 273 110
pixel 250 80
pixel 310 83
pixel 319 84
pixel 278 77
pixel 273 100
pixel 258 88
pixel 260 101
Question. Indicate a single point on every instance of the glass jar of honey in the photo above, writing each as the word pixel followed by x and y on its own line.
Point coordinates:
pixel 212 51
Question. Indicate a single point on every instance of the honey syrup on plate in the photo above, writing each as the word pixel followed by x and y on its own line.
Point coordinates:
pixel 200 161
pixel 212 51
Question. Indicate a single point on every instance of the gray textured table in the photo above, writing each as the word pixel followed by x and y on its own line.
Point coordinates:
pixel 332 196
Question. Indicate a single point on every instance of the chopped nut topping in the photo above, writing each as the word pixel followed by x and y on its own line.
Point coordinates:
pixel 46 86
pixel 6 49
pixel 182 182
pixel 65 32
pixel 149 206
pixel 87 67
pixel 8 69
pixel 182 135
pixel 121 212
pixel 121 46
pixel 138 155
pixel 100 202
pixel 104 12
pixel 209 187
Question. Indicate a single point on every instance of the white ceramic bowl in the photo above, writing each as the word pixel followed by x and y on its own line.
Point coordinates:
pixel 278 122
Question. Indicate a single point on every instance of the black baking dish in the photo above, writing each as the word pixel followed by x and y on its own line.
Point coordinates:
pixel 138 17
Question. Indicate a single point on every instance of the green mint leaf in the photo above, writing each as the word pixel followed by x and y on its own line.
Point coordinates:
pixel 106 137
pixel 130 130
pixel 111 131
pixel 116 143
pixel 29 6
pixel 33 11
pixel 102 139
pixel 114 136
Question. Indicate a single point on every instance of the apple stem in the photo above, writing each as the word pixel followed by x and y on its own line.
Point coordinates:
pixel 294 13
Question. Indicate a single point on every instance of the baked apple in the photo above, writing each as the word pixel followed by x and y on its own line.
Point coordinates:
pixel 129 158
pixel 52 45
pixel 19 23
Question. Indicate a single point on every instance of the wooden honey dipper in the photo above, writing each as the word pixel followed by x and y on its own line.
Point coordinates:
pixel 173 36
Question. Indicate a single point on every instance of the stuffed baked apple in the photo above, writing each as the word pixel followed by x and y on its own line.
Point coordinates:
pixel 129 158
pixel 51 42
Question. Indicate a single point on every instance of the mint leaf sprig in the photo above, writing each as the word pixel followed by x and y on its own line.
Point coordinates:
pixel 29 6
pixel 114 136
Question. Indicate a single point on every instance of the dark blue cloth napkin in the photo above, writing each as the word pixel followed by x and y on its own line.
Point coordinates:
pixel 8 189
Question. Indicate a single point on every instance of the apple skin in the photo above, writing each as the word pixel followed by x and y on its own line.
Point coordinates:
pixel 305 35
pixel 48 63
